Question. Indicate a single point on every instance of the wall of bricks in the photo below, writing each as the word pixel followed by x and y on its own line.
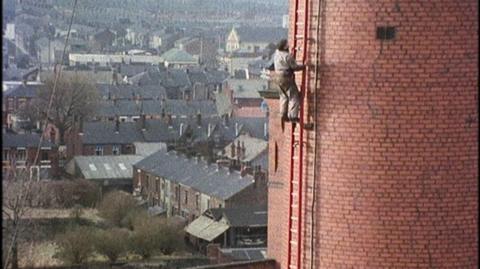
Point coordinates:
pixel 394 178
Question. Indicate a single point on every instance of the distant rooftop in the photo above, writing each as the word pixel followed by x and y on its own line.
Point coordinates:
pixel 197 174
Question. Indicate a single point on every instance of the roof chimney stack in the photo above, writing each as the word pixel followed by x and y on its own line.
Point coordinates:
pixel 143 120
pixel 117 125
pixel 209 131
pixel 236 129
pixel 181 129
pixel 199 119
pixel 169 121
pixel 239 151
pixel 232 150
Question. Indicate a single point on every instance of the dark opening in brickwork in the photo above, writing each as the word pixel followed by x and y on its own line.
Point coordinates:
pixel 386 32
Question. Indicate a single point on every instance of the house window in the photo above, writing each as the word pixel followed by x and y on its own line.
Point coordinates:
pixel 6 155
pixel 99 150
pixel 157 185
pixel 197 201
pixel 45 155
pixel 115 149
pixel 21 154
pixel 10 104
pixel 185 201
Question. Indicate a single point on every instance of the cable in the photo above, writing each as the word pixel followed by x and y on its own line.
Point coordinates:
pixel 315 154
pixel 24 196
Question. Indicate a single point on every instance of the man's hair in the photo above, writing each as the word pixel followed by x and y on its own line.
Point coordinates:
pixel 282 45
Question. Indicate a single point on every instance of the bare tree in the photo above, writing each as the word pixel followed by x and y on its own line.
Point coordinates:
pixel 75 99
pixel 16 195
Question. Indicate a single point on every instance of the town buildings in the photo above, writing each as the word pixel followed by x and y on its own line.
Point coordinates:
pixel 187 187
pixel 25 155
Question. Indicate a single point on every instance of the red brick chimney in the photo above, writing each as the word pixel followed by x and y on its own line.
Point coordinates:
pixel 391 166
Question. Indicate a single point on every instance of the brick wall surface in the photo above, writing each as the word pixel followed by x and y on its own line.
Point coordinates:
pixel 394 176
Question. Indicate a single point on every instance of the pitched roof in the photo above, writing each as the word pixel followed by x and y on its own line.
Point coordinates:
pixel 243 216
pixel 247 88
pixel 21 90
pixel 104 133
pixel 148 148
pixel 23 140
pixel 261 34
pixel 245 254
pixel 124 91
pixel 106 167
pixel 176 55
pixel 197 174
pixel 130 70
pixel 254 147
pixel 178 108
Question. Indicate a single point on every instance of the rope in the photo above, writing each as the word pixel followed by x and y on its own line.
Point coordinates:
pixel 317 84
pixel 24 196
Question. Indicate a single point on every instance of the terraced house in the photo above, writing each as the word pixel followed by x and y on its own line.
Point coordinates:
pixel 20 152
pixel 187 187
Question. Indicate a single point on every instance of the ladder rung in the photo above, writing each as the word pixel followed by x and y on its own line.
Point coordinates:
pixel 294 207
pixel 293 243
pixel 300 23
pixel 293 218
pixel 295 158
pixel 292 267
pixel 295 182
pixel 299 36
pixel 300 11
pixel 293 230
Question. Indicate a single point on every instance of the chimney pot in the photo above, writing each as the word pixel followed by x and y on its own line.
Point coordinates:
pixel 181 129
pixel 117 126
pixel 143 119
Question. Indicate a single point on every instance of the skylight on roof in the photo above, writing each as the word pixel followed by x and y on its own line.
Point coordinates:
pixel 122 166
pixel 107 166
pixel 92 167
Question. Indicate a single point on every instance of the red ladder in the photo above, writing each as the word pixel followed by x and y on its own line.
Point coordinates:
pixel 296 145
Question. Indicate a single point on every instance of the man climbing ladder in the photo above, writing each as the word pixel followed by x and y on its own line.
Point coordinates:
pixel 284 66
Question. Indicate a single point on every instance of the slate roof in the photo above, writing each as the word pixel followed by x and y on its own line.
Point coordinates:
pixel 106 167
pixel 223 103
pixel 254 147
pixel 247 88
pixel 245 254
pixel 176 55
pixel 124 91
pixel 207 179
pixel 23 140
pixel 109 108
pixel 261 34
pixel 21 90
pixel 130 70
pixel 98 133
pixel 104 133
pixel 243 216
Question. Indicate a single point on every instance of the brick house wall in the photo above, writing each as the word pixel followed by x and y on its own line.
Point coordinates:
pixel 251 195
pixel 47 159
pixel 187 202
pixel 395 175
